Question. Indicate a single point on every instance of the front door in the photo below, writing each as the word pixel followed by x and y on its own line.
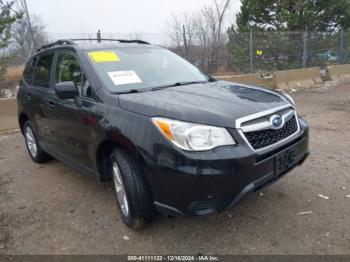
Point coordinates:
pixel 74 126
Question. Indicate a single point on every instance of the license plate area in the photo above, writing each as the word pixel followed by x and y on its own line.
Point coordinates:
pixel 284 161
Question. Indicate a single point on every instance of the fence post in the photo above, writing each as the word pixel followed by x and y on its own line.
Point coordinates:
pixel 340 58
pixel 185 41
pixel 99 36
pixel 251 51
pixel 305 54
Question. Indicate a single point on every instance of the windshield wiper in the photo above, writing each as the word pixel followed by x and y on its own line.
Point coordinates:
pixel 140 90
pixel 184 83
pixel 127 92
pixel 176 84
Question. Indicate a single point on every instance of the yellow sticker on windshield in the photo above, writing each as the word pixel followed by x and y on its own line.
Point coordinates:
pixel 103 57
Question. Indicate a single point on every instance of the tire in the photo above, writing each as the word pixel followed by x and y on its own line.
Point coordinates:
pixel 132 193
pixel 37 154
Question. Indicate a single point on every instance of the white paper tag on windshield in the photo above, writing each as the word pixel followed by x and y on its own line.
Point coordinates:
pixel 124 77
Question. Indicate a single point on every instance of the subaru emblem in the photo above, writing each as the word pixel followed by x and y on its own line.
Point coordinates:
pixel 276 121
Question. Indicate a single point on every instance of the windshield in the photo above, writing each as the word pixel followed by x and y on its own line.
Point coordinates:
pixel 136 68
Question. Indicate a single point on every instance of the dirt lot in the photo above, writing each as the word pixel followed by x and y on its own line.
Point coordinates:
pixel 52 209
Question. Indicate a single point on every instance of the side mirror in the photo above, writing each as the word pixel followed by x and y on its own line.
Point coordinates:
pixel 68 90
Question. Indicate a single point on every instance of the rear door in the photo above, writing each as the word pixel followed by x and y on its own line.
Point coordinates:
pixel 26 97
pixel 41 89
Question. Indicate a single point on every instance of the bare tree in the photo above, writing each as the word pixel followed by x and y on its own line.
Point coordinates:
pixel 22 41
pixel 202 31
pixel 201 34
pixel 182 34
pixel 136 36
pixel 214 16
pixel 221 9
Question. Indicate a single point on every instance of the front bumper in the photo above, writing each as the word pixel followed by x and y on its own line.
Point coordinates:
pixel 203 183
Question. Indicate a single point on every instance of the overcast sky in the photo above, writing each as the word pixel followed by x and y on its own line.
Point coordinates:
pixel 65 18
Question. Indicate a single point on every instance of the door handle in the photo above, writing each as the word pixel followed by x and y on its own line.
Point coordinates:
pixel 50 103
pixel 28 97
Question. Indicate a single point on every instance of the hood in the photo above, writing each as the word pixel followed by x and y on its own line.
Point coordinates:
pixel 217 103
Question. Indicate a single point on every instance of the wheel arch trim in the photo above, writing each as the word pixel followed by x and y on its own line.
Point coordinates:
pixel 106 146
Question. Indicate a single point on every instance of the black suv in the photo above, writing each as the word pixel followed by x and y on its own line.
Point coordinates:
pixel 171 138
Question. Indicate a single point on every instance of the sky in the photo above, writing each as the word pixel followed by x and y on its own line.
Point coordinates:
pixel 71 18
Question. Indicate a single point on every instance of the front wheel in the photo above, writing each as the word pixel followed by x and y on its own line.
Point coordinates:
pixel 132 193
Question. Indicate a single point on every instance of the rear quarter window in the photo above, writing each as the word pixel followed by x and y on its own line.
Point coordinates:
pixel 43 71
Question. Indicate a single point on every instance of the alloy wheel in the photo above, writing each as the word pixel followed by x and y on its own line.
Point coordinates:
pixel 120 189
pixel 31 142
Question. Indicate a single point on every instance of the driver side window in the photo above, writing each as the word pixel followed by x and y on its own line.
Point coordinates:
pixel 68 69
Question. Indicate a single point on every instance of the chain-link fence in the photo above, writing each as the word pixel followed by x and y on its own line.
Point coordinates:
pixel 271 51
pixel 251 52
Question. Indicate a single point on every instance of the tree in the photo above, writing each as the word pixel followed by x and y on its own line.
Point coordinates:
pixel 278 31
pixel 201 32
pixel 182 34
pixel 293 15
pixel 22 40
pixel 7 18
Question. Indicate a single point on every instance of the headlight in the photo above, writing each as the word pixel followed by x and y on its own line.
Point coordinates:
pixel 290 99
pixel 193 137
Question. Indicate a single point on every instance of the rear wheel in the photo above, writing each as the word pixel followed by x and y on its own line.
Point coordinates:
pixel 35 151
pixel 132 194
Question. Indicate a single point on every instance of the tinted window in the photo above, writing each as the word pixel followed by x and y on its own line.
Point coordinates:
pixel 28 71
pixel 42 71
pixel 68 69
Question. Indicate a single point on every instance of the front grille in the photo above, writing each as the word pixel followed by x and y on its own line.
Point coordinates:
pixel 263 138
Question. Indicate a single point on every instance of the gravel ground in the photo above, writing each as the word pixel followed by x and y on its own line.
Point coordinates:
pixel 52 209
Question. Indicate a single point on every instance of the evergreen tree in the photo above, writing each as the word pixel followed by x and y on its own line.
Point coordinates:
pixel 278 31
pixel 294 15
pixel 7 18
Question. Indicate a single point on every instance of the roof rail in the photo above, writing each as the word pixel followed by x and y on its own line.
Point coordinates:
pixel 111 39
pixel 58 42
pixel 72 42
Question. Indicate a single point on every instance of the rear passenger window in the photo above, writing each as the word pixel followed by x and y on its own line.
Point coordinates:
pixel 42 71
pixel 28 71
